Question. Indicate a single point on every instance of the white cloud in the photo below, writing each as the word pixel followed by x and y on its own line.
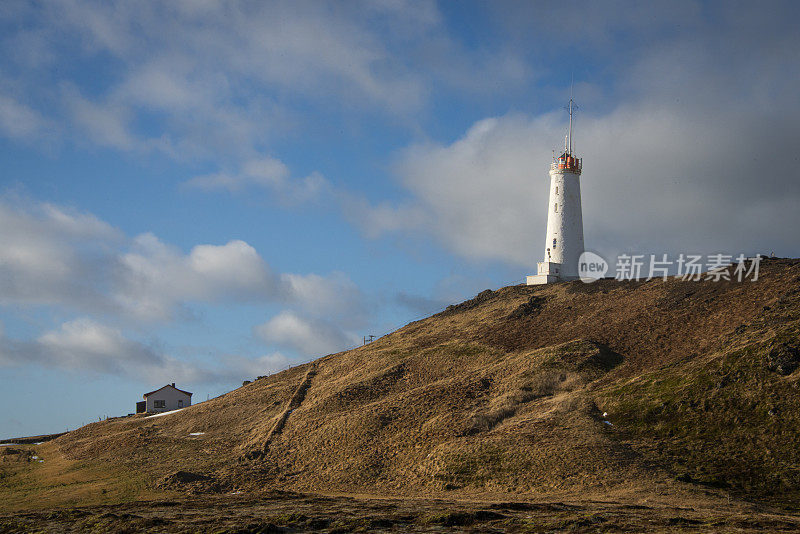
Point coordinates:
pixel 309 337
pixel 50 255
pixel 306 48
pixel 477 195
pixel 53 256
pixel 166 84
pixel 106 123
pixel 84 345
pixel 217 80
pixel 102 27
pixel 234 267
pixel 154 278
pixel 268 173
pixel 334 297
pixel 697 158
pixel 656 179
pixel 19 121
pixel 376 220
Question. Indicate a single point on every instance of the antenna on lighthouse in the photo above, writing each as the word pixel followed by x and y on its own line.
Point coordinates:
pixel 572 107
pixel 569 150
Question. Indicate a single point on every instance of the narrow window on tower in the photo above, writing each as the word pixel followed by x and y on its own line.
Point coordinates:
pixel 556 207
pixel 556 190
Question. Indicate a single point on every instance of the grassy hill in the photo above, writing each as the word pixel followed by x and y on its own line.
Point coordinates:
pixel 503 394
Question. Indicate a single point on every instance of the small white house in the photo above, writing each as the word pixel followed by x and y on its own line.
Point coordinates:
pixel 164 399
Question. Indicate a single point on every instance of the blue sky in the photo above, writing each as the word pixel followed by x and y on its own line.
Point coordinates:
pixel 203 192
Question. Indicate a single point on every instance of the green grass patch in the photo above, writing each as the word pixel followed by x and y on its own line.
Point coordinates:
pixel 729 423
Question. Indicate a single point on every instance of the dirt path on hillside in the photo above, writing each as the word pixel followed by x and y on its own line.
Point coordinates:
pixel 294 403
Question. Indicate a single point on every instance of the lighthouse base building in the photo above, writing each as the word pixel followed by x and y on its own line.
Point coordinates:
pixel 564 240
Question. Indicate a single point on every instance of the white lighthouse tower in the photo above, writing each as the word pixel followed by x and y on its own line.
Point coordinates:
pixel 564 241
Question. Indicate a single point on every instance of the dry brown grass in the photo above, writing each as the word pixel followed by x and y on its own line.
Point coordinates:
pixel 57 481
pixel 497 396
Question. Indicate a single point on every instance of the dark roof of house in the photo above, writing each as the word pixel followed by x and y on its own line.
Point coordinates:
pixel 167 386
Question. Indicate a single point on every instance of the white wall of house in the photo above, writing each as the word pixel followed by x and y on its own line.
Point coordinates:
pixel 171 397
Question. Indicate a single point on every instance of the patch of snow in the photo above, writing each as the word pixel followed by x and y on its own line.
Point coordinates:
pixel 605 414
pixel 41 461
pixel 35 457
pixel 236 493
pixel 163 413
pixel 38 442
pixel 608 423
pixel 9 444
pixel 196 433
